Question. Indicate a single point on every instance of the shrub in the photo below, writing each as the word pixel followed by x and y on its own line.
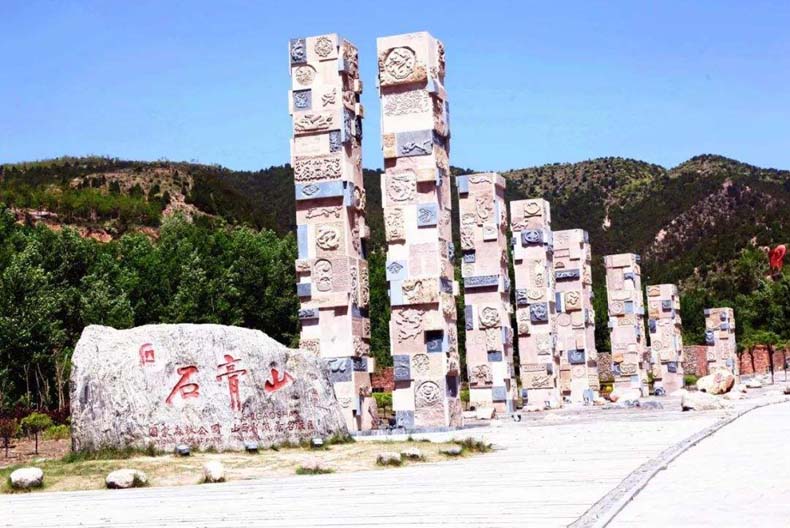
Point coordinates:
pixel 383 399
pixel 34 423
pixel 464 395
pixel 57 432
pixel 8 429
pixel 471 444
pixel 317 470
pixel 689 379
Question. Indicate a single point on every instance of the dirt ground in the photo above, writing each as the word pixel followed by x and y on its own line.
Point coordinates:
pixel 169 470
pixel 22 451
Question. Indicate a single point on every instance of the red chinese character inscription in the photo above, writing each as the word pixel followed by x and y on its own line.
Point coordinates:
pixel 147 354
pixel 277 382
pixel 183 387
pixel 233 380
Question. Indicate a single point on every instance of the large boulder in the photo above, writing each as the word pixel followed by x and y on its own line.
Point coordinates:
pixel 206 386
pixel 720 381
pixel 625 395
pixel 700 401
pixel 27 478
pixel 125 479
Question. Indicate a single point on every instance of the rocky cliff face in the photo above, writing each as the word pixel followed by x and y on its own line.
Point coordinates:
pixel 200 385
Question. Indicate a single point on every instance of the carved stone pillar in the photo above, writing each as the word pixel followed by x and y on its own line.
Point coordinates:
pixel 575 316
pixel 535 302
pixel 489 336
pixel 666 341
pixel 630 359
pixel 332 272
pixel 417 215
pixel 720 339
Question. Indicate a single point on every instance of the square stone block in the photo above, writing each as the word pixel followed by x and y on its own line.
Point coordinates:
pixel 567 275
pixel 522 298
pixel 539 313
pixel 404 419
pixel 462 182
pixel 360 364
pixel 401 367
pixel 481 281
pixel 340 369
pixel 532 237
pixel 308 313
pixel 576 357
pixel 427 215
pixel 494 356
pixel 434 341
pixel 397 270
pixel 469 317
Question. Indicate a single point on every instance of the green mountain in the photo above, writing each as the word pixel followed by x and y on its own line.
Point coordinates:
pixel 699 224
pixel 685 221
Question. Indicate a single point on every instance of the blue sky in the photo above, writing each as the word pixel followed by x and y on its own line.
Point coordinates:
pixel 529 82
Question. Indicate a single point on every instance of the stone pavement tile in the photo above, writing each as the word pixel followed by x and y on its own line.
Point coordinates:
pixel 736 477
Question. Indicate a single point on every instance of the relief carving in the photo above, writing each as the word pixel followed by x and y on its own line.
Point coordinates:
pixel 314 168
pixel 323 47
pixel 428 394
pixel 409 323
pixel 410 102
pixel 401 186
pixel 304 75
pixel 313 122
pixel 419 291
pixel 481 375
pixel 421 364
pixel 322 273
pixel 324 212
pixel 328 237
pixel 489 317
pixel 484 208
pixel 394 225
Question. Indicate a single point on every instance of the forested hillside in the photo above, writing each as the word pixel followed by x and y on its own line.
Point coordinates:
pixel 101 240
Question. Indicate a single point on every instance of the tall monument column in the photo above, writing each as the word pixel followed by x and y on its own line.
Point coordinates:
pixel 416 197
pixel 666 339
pixel 720 338
pixel 332 272
pixel 489 337
pixel 626 322
pixel 535 309
pixel 575 316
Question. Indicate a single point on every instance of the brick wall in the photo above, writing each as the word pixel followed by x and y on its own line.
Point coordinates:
pixel 756 361
pixel 695 360
pixel 383 380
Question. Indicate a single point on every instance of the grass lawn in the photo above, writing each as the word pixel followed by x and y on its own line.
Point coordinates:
pixel 76 472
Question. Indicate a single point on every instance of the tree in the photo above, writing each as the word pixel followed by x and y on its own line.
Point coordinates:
pixel 34 423
pixel 8 428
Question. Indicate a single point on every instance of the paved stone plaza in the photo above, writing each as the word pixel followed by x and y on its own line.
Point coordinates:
pixel 547 470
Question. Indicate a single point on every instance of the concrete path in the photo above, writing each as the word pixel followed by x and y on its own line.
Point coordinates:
pixel 739 476
pixel 547 471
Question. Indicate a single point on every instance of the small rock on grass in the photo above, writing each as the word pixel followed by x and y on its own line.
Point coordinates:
pixel 412 453
pixel 315 465
pixel 452 450
pixel 27 478
pixel 126 478
pixel 213 471
pixel 389 458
